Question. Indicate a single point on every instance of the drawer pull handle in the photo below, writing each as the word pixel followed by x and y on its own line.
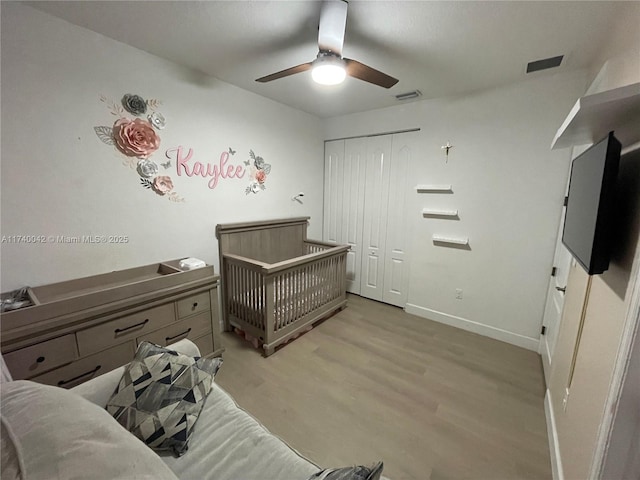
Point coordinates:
pixel 195 305
pixel 141 324
pixel 186 332
pixel 40 359
pixel 62 383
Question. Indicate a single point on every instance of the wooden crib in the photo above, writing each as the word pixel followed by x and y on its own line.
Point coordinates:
pixel 276 282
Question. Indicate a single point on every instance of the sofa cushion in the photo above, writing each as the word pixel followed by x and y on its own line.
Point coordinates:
pixel 51 433
pixel 161 395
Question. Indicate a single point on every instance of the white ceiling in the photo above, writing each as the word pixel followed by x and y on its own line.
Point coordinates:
pixel 442 48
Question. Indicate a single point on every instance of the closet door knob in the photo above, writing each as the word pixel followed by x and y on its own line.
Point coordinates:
pixel 561 289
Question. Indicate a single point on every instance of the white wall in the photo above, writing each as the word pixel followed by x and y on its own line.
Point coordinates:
pixel 59 179
pixel 508 187
pixel 618 63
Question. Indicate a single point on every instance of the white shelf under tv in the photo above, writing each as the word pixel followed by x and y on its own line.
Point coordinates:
pixel 594 116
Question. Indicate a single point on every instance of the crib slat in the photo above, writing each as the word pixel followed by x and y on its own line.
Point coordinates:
pixel 251 292
pixel 278 293
pixel 290 299
pixel 270 312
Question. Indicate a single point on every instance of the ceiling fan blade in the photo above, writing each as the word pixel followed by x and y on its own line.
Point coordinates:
pixel 333 21
pixel 285 73
pixel 364 72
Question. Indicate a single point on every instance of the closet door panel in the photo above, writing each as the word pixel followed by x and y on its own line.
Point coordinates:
pixel 352 207
pixel 396 268
pixel 372 269
pixel 344 201
pixel 376 198
pixel 333 188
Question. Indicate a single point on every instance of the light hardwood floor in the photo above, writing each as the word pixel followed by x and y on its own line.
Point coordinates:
pixel 375 383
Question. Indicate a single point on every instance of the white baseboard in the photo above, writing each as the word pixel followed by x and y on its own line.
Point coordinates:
pixel 475 327
pixel 544 352
pixel 552 432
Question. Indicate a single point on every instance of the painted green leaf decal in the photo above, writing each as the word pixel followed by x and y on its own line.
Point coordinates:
pixel 105 134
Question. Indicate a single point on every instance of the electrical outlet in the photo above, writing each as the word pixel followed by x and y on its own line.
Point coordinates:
pixel 458 293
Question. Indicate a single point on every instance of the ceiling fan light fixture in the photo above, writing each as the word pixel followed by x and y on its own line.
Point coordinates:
pixel 328 70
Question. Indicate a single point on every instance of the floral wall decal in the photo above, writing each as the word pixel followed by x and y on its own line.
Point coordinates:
pixel 259 171
pixel 135 136
pixel 134 104
pixel 138 140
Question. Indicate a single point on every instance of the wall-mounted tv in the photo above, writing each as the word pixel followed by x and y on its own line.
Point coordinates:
pixel 590 216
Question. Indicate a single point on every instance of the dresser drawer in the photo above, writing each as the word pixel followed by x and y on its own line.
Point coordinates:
pixel 31 361
pixel 89 367
pixel 117 331
pixel 191 328
pixel 194 304
pixel 205 345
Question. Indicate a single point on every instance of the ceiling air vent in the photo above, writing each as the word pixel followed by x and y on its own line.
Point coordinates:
pixel 545 63
pixel 408 95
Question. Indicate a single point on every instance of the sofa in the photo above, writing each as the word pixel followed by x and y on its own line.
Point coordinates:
pixel 49 433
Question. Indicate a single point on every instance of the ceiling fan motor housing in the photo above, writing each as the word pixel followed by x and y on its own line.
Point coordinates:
pixel 328 69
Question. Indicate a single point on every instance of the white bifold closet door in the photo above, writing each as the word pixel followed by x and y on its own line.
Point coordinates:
pixel 376 199
pixel 366 183
pixel 396 266
pixel 344 200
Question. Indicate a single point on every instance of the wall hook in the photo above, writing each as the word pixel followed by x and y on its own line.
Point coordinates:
pixel 296 198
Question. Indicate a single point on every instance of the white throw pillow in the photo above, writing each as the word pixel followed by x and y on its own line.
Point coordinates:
pixel 57 434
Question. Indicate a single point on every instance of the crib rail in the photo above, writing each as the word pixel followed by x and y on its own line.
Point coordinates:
pixel 315 246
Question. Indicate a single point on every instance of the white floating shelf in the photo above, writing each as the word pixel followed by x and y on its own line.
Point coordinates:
pixel 451 240
pixel 428 212
pixel 595 115
pixel 433 188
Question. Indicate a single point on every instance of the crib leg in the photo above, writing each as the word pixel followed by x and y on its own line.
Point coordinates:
pixel 226 326
pixel 268 350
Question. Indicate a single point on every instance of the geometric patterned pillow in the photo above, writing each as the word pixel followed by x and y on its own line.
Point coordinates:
pixel 161 394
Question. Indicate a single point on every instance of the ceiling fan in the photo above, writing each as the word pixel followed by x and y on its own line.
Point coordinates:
pixel 330 67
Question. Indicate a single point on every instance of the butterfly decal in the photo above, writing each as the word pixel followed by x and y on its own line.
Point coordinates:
pixel 232 151
pixel 246 163
pixel 166 165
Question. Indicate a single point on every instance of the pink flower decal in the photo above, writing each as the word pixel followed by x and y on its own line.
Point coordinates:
pixel 162 184
pixel 260 176
pixel 135 138
pixel 259 172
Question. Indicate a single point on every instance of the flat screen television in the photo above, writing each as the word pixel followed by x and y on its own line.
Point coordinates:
pixel 590 215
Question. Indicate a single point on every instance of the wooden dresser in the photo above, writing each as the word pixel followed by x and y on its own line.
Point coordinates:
pixel 79 329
